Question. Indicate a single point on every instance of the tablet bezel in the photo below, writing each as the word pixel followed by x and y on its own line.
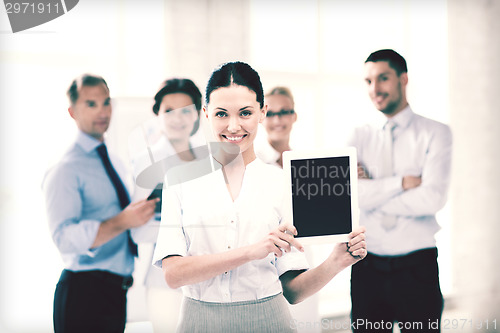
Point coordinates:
pixel 349 152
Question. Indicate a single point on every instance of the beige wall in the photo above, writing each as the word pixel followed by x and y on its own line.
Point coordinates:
pixel 474 52
pixel 205 33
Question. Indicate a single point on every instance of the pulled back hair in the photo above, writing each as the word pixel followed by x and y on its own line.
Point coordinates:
pixel 283 91
pixel 395 60
pixel 176 85
pixel 183 86
pixel 238 73
pixel 89 80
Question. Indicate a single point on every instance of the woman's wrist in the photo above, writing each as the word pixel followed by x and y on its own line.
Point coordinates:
pixel 336 263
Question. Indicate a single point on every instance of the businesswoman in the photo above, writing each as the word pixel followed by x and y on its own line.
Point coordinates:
pixel 226 239
pixel 177 105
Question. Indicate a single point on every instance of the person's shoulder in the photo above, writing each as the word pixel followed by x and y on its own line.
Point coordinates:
pixel 75 158
pixel 425 123
pixel 70 156
pixel 365 128
pixel 65 168
pixel 199 173
pixel 267 168
pixel 269 173
pixel 362 134
pixel 266 152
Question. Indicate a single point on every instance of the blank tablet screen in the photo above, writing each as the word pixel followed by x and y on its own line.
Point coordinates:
pixel 321 196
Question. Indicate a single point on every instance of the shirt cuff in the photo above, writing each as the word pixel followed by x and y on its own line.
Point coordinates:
pixel 91 227
pixel 292 261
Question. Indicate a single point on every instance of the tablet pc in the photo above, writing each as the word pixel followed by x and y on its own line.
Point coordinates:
pixel 323 198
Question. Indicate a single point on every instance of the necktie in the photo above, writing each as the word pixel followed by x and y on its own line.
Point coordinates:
pixel 121 192
pixel 388 221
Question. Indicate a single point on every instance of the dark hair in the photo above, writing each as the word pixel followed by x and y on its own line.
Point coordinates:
pixel 395 60
pixel 238 73
pixel 81 81
pixel 183 86
pixel 173 86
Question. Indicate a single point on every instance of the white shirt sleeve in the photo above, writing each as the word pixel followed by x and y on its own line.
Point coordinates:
pixel 171 237
pixel 373 193
pixel 71 233
pixel 292 261
pixel 431 195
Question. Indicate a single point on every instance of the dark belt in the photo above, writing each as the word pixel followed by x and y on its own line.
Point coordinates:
pixel 394 263
pixel 124 282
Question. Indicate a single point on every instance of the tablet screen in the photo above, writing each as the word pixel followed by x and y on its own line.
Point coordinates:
pixel 323 193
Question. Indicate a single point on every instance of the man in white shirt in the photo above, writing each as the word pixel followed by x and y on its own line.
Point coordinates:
pixel 404 173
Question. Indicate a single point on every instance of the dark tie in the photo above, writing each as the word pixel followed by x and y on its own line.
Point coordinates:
pixel 121 192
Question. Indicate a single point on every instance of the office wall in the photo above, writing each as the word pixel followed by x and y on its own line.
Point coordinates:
pixel 474 53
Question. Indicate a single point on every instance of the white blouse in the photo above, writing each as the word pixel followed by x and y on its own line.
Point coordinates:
pixel 163 153
pixel 203 219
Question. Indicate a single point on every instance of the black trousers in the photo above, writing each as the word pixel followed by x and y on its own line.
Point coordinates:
pixel 90 301
pixel 401 291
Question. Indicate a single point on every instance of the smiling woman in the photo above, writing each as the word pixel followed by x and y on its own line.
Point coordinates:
pixel 235 115
pixel 235 100
pixel 234 262
pixel 177 105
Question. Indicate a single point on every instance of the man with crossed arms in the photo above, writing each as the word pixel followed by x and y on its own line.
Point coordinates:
pixel 404 174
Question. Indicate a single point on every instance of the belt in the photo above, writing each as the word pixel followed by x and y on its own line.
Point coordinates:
pixel 394 263
pixel 124 282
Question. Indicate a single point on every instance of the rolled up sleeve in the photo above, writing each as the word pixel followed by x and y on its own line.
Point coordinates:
pixel 292 261
pixel 70 233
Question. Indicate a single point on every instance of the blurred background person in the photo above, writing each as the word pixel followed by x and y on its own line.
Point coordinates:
pixel 269 147
pixel 89 215
pixel 177 106
pixel 279 121
pixel 404 175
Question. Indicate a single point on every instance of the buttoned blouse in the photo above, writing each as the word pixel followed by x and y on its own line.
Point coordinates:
pixel 203 219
